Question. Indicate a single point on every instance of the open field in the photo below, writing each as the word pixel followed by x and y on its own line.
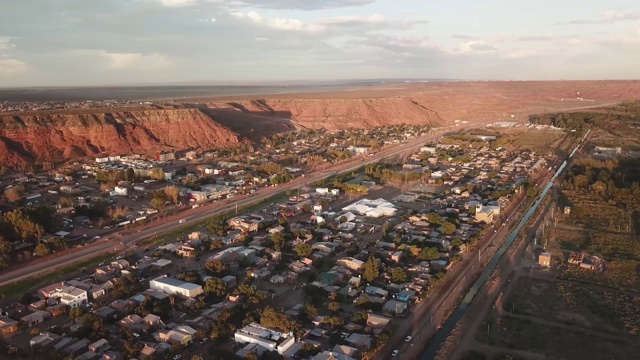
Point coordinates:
pixel 539 141
pixel 577 304
pixel 622 274
pixel 591 211
pixel 559 343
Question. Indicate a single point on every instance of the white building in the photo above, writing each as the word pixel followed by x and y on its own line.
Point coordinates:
pixel 372 208
pixel 119 191
pixel 174 286
pixel 270 339
pixel 71 295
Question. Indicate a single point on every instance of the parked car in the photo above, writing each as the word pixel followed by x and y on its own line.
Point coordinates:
pixel 395 353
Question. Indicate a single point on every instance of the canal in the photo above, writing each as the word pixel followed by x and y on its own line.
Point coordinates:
pixel 461 310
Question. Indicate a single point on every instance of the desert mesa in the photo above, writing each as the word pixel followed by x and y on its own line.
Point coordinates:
pixel 56 136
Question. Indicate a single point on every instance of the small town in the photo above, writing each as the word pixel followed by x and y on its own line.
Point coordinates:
pixel 325 271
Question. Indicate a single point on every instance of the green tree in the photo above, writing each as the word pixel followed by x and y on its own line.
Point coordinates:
pixel 42 250
pixel 371 271
pixel 429 253
pixel 434 218
pixel 75 312
pixel 456 242
pixel 532 191
pixel 448 228
pixel 190 276
pixel 398 275
pixel 15 193
pixel 278 241
pixel 216 244
pixel 304 249
pixel 275 319
pixel 5 246
pixel 157 203
pixel 333 306
pixel 215 286
pixel 215 267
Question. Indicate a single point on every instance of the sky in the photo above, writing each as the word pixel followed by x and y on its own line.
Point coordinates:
pixel 119 42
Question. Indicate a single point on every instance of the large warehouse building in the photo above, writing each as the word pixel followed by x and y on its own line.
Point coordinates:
pixel 174 286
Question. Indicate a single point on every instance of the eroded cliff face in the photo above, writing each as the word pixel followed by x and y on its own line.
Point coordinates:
pixel 54 137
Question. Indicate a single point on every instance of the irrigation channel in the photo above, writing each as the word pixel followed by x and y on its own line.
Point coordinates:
pixel 446 329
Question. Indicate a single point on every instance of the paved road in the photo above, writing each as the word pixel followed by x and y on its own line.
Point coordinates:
pixel 113 244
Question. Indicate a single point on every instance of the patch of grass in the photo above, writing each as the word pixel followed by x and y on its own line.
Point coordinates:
pixel 622 274
pixel 521 334
pixel 576 304
pixel 26 285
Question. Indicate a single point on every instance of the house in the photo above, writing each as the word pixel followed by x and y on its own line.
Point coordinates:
pixel 395 307
pixel 484 214
pixel 270 339
pixel 330 355
pixel 244 224
pixel 186 252
pixel 133 322
pixel 350 263
pixel 230 281
pixel 360 341
pixel 43 340
pixel 174 286
pixel 99 346
pixel 377 322
pixel 7 325
pixel 544 259
pixel 35 317
pixel 153 321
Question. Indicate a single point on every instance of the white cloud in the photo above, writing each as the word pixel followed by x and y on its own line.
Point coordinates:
pixel 5 42
pixel 608 18
pixel 372 22
pixel 125 61
pixel 262 39
pixel 11 67
pixel 178 3
pixel 481 46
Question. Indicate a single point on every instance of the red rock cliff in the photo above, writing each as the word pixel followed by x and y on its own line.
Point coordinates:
pixel 54 137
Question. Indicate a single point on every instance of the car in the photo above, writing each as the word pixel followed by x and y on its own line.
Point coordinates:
pixel 408 338
pixel 395 353
pixel 176 357
pixel 97 237
pixel 204 340
pixel 101 264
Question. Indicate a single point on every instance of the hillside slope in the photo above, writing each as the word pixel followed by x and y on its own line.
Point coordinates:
pixel 54 137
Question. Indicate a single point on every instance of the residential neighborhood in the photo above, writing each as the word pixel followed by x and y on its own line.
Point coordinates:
pixel 320 273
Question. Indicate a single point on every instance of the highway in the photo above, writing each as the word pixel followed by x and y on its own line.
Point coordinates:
pixel 122 240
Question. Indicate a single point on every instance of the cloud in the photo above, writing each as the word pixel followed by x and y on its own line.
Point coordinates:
pixel 372 22
pixel 178 3
pixel 481 46
pixel 609 17
pixel 271 4
pixel 12 67
pixel 260 39
pixel 5 42
pixel 535 38
pixel 126 61
pixel 464 37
